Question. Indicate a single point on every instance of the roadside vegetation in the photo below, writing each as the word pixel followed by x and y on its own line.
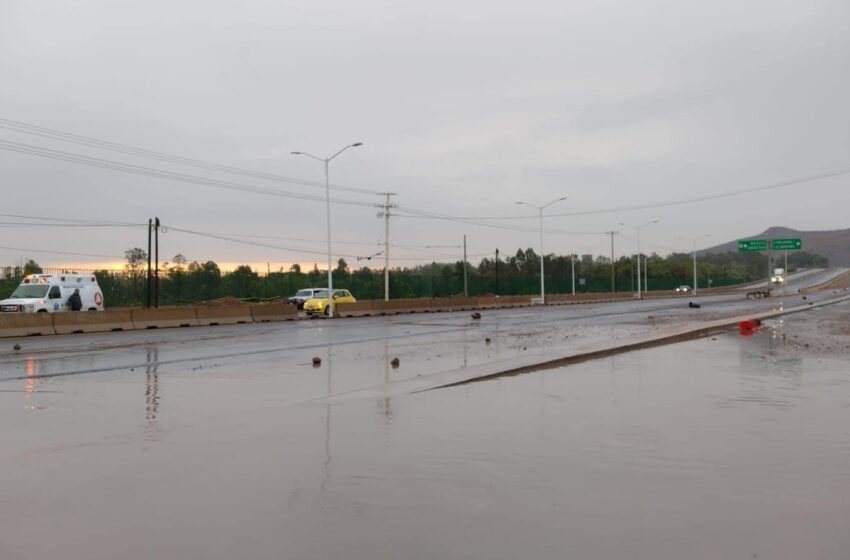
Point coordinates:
pixel 183 282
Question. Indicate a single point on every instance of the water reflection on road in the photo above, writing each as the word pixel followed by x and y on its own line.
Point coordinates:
pixel 723 447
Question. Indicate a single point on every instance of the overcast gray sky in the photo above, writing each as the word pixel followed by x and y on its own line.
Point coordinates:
pixel 463 108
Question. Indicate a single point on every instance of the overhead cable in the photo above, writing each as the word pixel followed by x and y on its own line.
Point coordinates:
pixel 169 175
pixel 54 134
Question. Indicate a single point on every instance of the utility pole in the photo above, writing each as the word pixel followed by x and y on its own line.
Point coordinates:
pixel 465 280
pixel 156 260
pixel 573 266
pixel 497 271
pixel 385 213
pixel 148 283
pixel 613 273
pixel 696 280
pixel 637 232
pixel 645 278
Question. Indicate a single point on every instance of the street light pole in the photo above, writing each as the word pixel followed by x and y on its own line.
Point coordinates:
pixel 542 277
pixel 540 212
pixel 326 161
pixel 694 241
pixel 573 266
pixel 637 232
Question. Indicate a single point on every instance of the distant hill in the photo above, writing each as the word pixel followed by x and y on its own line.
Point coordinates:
pixel 834 245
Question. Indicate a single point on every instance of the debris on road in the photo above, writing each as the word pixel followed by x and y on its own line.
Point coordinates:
pixel 693 305
pixel 748 327
pixel 476 315
pixel 395 362
pixel 317 361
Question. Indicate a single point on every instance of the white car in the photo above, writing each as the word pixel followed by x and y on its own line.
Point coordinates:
pixel 303 295
pixel 683 289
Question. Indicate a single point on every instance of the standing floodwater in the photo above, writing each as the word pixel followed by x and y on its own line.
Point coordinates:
pixel 726 447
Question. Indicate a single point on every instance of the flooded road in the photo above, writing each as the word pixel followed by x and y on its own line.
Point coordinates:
pixel 728 446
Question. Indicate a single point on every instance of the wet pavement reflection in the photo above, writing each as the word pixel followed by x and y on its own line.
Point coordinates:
pixel 728 446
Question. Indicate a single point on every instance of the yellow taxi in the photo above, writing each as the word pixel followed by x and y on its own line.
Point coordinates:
pixel 319 304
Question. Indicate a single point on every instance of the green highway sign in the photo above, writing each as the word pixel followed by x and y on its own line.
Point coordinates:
pixel 786 244
pixel 752 245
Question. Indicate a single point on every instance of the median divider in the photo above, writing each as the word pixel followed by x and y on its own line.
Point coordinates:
pixel 398 306
pixel 223 314
pixel 25 324
pixel 363 308
pixel 93 321
pixel 453 303
pixel 514 301
pixel 164 317
pixel 487 302
pixel 264 313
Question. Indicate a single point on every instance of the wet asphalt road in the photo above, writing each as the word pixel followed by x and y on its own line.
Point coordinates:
pixel 206 443
pixel 425 343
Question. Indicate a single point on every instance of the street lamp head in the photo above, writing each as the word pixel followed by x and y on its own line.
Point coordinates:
pixel 356 144
pixel 295 153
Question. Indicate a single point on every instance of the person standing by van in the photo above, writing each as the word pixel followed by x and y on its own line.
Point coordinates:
pixel 75 302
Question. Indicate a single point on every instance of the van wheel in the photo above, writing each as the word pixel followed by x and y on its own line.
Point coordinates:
pixel 92 308
pixel 42 310
pixel 327 310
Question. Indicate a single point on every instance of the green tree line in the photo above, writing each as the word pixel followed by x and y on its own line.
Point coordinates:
pixel 182 282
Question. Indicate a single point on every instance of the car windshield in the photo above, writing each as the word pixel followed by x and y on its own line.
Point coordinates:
pixel 30 291
pixel 304 293
pixel 320 294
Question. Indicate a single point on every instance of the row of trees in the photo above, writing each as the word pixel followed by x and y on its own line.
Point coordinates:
pixel 183 282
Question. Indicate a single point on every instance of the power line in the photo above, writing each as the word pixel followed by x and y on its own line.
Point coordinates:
pixel 210 235
pixel 481 221
pixel 681 202
pixel 55 134
pixel 162 174
pixel 11 225
pixel 412 213
pixel 29 250
pixel 69 221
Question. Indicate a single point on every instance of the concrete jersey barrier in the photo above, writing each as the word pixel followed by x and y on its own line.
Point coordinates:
pixel 455 303
pixel 397 306
pixel 25 324
pixel 223 314
pixel 92 322
pixel 363 308
pixel 263 313
pixel 164 317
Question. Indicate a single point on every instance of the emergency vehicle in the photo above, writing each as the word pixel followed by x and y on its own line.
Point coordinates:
pixel 49 293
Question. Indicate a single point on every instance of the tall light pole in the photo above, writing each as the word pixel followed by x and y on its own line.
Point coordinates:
pixel 694 241
pixel 637 232
pixel 325 162
pixel 540 210
pixel 573 267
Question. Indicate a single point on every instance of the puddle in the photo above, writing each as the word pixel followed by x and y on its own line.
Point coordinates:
pixel 721 447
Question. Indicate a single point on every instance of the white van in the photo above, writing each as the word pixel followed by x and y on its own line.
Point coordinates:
pixel 49 293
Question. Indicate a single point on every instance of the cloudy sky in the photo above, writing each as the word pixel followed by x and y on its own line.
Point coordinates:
pixel 464 108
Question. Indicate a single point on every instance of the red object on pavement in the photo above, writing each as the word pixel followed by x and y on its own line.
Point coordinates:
pixel 748 327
